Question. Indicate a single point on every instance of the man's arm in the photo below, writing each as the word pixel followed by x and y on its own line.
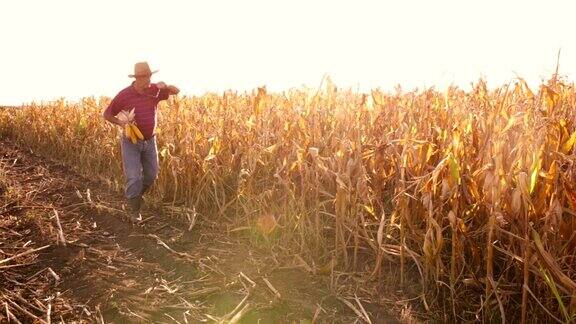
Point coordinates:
pixel 111 118
pixel 112 110
pixel 172 90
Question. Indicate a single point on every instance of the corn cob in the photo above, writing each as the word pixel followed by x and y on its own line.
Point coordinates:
pixel 132 131
pixel 136 131
pixel 130 134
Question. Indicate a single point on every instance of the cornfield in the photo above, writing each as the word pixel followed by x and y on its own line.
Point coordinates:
pixel 468 198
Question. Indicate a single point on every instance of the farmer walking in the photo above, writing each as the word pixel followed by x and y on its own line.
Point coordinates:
pixel 139 159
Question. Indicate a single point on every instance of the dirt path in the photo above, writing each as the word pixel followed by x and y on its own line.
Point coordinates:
pixel 176 267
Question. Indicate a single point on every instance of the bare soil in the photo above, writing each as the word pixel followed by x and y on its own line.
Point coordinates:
pixel 178 266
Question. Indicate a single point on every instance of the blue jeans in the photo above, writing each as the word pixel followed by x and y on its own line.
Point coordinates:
pixel 140 162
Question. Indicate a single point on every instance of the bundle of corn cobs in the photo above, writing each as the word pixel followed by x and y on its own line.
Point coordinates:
pixel 132 131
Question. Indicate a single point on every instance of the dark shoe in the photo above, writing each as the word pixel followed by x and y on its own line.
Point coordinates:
pixel 135 218
pixel 135 204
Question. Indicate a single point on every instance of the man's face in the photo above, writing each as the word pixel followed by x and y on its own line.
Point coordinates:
pixel 143 81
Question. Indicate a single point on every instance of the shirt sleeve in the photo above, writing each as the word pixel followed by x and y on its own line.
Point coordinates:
pixel 163 94
pixel 115 106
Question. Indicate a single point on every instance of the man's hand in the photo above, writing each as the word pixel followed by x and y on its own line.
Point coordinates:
pixel 172 89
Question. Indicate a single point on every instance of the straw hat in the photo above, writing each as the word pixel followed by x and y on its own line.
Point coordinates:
pixel 142 69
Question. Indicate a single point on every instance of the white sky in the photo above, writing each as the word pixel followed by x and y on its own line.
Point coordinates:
pixel 71 49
